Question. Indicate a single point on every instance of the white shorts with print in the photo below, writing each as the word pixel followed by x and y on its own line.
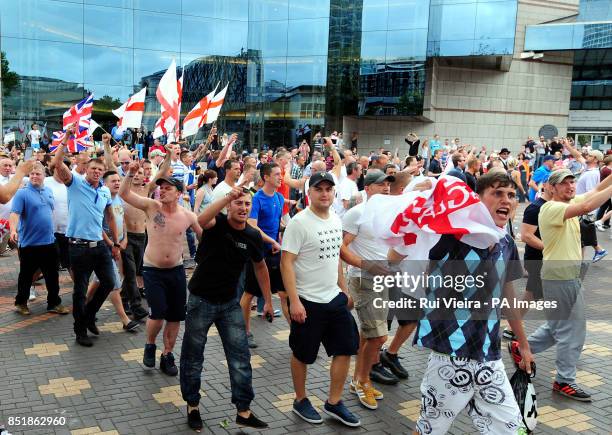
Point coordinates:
pixel 452 384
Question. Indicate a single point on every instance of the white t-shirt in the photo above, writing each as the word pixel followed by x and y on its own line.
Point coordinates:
pixel 587 181
pixel 34 136
pixel 366 245
pixel 346 190
pixel 60 204
pixel 220 191
pixel 5 209
pixel 316 242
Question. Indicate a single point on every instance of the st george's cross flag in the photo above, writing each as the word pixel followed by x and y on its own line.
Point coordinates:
pixel 78 142
pixel 130 112
pixel 79 114
pixel 215 106
pixel 196 117
pixel 167 95
pixel 412 223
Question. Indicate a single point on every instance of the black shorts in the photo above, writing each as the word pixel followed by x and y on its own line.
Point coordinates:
pixel 276 281
pixel 331 324
pixel 404 316
pixel 588 233
pixel 166 292
pixel 534 280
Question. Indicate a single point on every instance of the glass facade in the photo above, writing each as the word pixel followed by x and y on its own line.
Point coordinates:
pixel 592 80
pixel 293 66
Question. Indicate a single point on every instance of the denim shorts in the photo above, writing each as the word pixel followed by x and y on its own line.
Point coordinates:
pixel 166 292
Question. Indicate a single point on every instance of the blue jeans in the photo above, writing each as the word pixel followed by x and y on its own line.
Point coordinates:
pixel 84 261
pixel 227 317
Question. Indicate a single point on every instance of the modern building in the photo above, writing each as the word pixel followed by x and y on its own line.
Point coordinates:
pixel 382 68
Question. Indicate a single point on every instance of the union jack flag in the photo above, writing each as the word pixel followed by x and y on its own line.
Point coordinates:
pixel 75 143
pixel 80 113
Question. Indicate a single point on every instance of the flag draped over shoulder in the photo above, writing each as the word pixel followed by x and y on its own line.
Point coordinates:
pixel 413 223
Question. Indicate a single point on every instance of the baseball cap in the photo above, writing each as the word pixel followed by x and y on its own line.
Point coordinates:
pixel 559 175
pixel 547 158
pixel 320 177
pixel 173 181
pixel 597 154
pixel 376 176
pixel 156 153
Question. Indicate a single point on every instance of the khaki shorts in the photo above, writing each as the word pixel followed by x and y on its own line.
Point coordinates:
pixel 372 320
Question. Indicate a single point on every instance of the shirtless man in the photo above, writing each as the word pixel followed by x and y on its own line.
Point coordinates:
pixel 163 272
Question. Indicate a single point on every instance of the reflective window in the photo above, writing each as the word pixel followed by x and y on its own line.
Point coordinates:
pixel 45 59
pixel 373 46
pixel 549 37
pixel 268 37
pixel 455 22
pixel 168 6
pixel 129 4
pixel 488 47
pixel 408 14
pixel 261 10
pixel 308 37
pixel 149 62
pixel 374 15
pixel 310 71
pixel 115 95
pixel 226 9
pixel 109 65
pixel 213 36
pixel 162 36
pixel 496 20
pixel 299 9
pixel 406 44
pixel 42 19
pixel 117 29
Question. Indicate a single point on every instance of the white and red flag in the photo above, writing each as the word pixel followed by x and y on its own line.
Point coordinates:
pixel 215 106
pixel 130 112
pixel 413 223
pixel 167 95
pixel 196 117
pixel 79 114
pixel 179 91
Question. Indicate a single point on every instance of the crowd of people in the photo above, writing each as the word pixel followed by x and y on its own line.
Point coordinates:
pixel 289 222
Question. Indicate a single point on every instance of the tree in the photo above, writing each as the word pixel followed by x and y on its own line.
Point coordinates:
pixel 106 104
pixel 10 79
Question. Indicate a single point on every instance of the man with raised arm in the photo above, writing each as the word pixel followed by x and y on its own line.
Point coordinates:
pixel 88 204
pixel 163 271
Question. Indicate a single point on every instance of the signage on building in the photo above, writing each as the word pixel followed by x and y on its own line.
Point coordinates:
pixel 586 119
pixel 548 131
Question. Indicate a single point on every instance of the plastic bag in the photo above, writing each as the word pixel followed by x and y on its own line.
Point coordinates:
pixel 525 395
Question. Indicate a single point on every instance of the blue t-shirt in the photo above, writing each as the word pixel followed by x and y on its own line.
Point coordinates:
pixel 469 331
pixel 539 176
pixel 268 211
pixel 35 209
pixel 86 206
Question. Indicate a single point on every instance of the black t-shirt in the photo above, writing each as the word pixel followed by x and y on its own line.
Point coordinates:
pixel 413 149
pixel 212 164
pixel 530 217
pixel 471 180
pixel 530 145
pixel 221 257
pixel 434 167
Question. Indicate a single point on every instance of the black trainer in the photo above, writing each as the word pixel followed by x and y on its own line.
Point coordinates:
pixel 93 328
pixel 391 362
pixel 148 359
pixel 166 364
pixel 131 326
pixel 572 391
pixel 383 376
pixel 84 340
pixel 194 420
pixel 251 421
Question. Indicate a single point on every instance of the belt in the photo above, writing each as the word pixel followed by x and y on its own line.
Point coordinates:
pixel 83 242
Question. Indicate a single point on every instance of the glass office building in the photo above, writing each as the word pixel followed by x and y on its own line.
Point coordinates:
pixel 294 67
